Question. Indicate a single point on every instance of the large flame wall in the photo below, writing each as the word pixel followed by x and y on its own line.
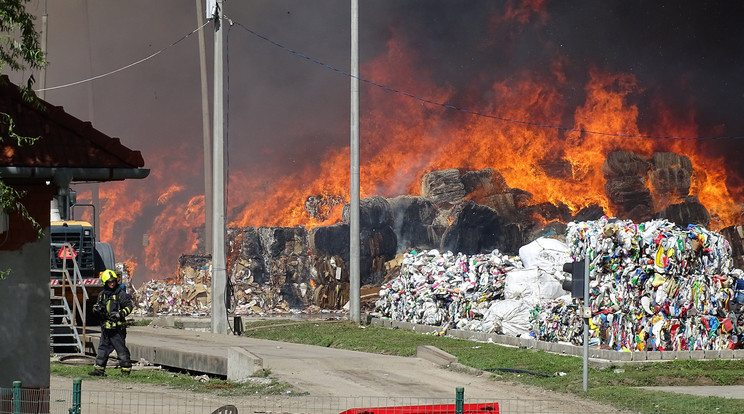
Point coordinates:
pixel 530 102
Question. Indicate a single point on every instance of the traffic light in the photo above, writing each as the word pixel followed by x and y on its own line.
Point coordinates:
pixel 575 282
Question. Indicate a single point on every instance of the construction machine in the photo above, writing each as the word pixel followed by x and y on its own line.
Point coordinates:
pixel 76 260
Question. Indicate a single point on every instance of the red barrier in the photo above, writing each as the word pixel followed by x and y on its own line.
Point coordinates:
pixel 428 409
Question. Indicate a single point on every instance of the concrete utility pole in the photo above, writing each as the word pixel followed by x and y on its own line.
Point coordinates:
pixel 44 36
pixel 205 133
pixel 219 268
pixel 95 196
pixel 354 243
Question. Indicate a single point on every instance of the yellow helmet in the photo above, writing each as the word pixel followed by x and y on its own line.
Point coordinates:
pixel 108 275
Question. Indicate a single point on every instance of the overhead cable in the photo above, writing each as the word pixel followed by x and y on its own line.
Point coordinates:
pixel 127 66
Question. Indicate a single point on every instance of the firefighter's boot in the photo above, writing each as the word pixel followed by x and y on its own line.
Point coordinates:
pixel 126 371
pixel 97 372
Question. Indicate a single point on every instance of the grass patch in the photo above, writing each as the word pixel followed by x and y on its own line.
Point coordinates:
pixel 179 380
pixel 615 385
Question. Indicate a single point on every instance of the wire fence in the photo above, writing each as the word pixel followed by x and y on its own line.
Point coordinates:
pixel 18 400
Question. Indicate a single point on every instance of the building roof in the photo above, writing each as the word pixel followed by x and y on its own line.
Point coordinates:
pixel 65 142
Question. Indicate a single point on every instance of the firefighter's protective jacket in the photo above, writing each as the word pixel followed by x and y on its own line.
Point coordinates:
pixel 114 304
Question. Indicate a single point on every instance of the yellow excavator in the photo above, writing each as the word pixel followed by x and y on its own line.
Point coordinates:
pixel 76 260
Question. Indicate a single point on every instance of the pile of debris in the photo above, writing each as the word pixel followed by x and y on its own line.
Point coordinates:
pixel 190 295
pixel 654 286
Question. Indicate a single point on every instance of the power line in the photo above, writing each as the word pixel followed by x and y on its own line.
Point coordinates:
pixel 390 89
pixel 472 112
pixel 127 66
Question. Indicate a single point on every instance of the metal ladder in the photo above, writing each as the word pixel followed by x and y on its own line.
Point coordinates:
pixel 64 336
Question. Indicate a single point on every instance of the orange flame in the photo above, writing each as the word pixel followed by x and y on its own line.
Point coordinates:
pixel 402 139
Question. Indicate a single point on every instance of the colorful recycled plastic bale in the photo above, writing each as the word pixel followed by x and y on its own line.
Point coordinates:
pixel 653 286
pixel 656 286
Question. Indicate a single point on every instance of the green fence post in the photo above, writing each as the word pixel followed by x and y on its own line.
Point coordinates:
pixel 459 400
pixel 16 397
pixel 76 387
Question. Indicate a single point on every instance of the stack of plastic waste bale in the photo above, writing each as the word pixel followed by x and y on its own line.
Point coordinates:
pixel 653 286
pixel 445 289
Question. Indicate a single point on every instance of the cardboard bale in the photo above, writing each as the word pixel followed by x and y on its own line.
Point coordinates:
pixel 443 187
pixel 374 213
pixel 478 229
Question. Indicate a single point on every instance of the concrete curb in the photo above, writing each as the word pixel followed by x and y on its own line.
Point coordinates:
pixel 235 363
pixel 435 355
pixel 597 356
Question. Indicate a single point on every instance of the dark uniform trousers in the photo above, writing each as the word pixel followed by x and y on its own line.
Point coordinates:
pixel 113 339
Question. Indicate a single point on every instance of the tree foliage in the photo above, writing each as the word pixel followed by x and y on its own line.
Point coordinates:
pixel 19 41
pixel 19 51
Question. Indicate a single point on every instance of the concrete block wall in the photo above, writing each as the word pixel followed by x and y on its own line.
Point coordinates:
pixel 564 348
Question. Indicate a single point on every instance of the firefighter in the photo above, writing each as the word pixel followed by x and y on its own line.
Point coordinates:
pixel 113 305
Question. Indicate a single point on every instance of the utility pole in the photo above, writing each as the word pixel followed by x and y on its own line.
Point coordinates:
pixel 354 243
pixel 44 36
pixel 95 195
pixel 207 137
pixel 219 268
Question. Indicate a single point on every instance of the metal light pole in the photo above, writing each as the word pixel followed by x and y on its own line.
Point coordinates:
pixel 44 36
pixel 207 138
pixel 219 270
pixel 354 244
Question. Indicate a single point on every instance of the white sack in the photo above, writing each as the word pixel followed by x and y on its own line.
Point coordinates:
pixel 532 286
pixel 547 254
pixel 512 316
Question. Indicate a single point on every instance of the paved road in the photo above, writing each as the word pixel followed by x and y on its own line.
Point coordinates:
pixel 340 379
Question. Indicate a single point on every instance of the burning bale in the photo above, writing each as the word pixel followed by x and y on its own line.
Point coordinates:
pixel 374 213
pixel 467 212
pixel 689 211
pixel 478 228
pixel 321 206
pixel 489 188
pixel 671 176
pixel 735 236
pixel 444 188
pixel 625 173
pixel 413 219
pixel 378 239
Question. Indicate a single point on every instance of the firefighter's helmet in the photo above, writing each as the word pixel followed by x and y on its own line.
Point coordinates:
pixel 108 275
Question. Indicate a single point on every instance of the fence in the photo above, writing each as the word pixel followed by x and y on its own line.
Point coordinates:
pixel 18 400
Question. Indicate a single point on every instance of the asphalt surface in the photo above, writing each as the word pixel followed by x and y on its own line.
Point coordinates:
pixel 334 373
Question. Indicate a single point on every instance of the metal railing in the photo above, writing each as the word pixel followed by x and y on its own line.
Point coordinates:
pixel 74 282
pixel 65 321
